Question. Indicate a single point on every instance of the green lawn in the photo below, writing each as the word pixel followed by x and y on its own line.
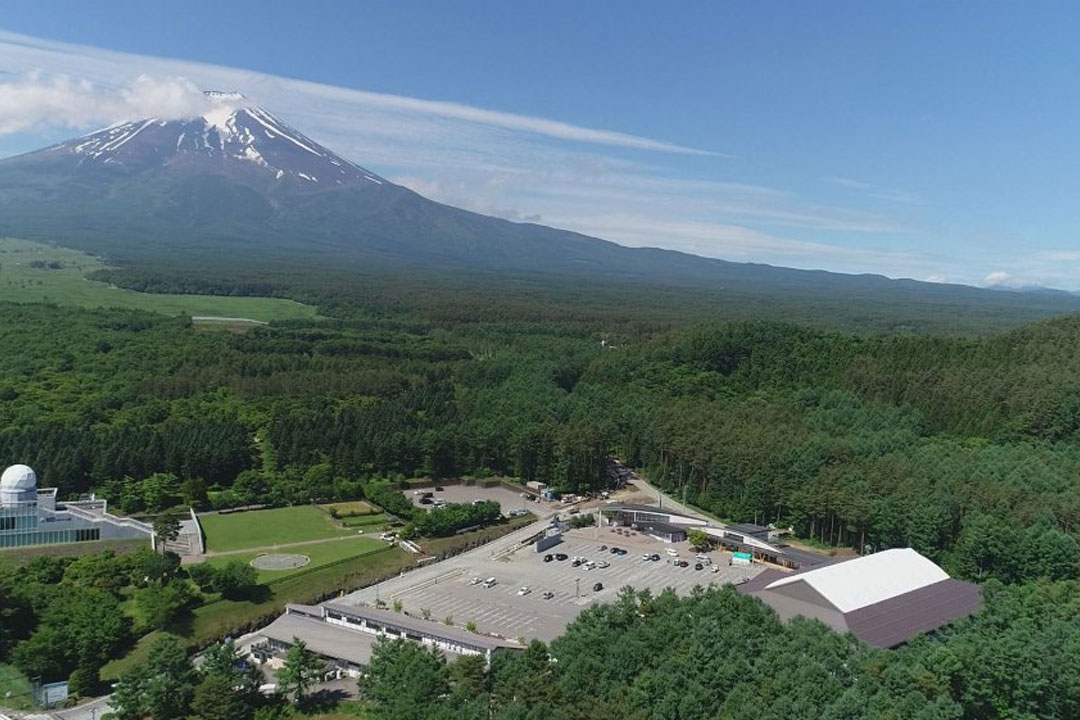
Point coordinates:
pixel 15 691
pixel 320 554
pixel 267 528
pixel 68 285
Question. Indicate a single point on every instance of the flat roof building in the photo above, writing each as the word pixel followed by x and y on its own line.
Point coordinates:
pixel 884 599
pixel 30 515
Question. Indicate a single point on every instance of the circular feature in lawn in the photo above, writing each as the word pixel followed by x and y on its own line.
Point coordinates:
pixel 279 562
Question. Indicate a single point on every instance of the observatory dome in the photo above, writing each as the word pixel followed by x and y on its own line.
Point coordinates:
pixel 18 477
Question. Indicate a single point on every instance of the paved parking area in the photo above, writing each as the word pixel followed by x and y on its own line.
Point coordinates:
pixel 508 500
pixel 501 610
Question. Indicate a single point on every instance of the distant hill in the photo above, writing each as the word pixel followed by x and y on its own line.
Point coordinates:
pixel 238 188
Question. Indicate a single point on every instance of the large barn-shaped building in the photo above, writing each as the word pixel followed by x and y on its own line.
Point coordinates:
pixel 884 599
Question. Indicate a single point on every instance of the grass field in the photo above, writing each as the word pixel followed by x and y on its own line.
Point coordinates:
pixel 15 691
pixel 21 556
pixel 320 553
pixel 266 528
pixel 62 280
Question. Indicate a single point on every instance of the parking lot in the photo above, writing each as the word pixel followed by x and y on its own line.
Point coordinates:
pixel 501 610
pixel 508 500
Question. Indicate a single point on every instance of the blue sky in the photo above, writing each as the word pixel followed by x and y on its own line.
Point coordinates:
pixel 914 139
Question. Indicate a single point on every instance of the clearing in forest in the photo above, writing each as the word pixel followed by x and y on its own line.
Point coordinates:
pixel 268 528
pixel 33 272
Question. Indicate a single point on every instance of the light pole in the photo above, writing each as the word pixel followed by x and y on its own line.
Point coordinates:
pixel 577 588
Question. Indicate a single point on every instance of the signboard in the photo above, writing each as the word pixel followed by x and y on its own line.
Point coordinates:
pixel 51 694
pixel 741 558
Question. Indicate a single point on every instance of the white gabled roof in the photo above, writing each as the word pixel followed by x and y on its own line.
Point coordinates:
pixel 867 580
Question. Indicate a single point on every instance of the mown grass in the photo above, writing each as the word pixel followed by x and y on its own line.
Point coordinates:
pixel 68 285
pixel 267 528
pixel 319 554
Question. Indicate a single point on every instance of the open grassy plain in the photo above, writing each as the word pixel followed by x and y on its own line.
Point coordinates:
pixel 33 272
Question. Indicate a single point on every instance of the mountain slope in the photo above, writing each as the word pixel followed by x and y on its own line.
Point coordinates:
pixel 237 187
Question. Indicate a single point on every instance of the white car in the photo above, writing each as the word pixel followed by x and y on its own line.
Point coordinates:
pixel 476 580
pixel 716 568
pixel 603 564
pixel 525 590
pixel 673 552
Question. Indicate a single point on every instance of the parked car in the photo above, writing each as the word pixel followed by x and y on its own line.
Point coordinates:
pixel 654 557
pixel 603 548
pixel 698 566
pixel 476 580
pixel 598 587
pixel 603 564
pixel 561 556
pixel 716 568
pixel 577 562
pixel 438 488
pixel 646 556
pixel 572 511
pixel 490 582
pixel 549 557
pixel 426 501
pixel 673 552
pixel 524 590
pixel 548 595
pixel 681 563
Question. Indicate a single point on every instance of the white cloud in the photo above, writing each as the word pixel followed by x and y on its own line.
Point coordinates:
pixel 935 278
pixel 998 277
pixel 34 101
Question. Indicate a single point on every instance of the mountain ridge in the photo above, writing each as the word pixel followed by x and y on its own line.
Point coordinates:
pixel 237 181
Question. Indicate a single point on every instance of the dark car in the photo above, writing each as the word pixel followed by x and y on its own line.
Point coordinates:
pixel 598 587
pixel 561 556
pixel 604 547
pixel 578 562
pixel 681 563
pixel 425 501
pixel 548 595
pixel 655 557
pixel 698 566
pixel 549 558
pixel 438 488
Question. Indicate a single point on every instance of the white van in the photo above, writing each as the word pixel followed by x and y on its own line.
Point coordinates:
pixel 490 582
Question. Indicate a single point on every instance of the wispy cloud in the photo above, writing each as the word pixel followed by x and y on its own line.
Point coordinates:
pixel 623 187
pixel 877 192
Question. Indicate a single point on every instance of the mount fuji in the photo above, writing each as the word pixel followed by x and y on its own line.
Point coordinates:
pixel 236 179
pixel 237 191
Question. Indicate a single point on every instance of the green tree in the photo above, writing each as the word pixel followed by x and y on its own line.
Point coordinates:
pixel 404 680
pixel 161 689
pixel 300 671
pixel 166 528
pixel 699 539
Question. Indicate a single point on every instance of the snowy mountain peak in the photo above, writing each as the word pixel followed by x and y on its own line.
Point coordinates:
pixel 231 131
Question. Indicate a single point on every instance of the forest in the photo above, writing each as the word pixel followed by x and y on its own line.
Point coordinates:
pixel 964 445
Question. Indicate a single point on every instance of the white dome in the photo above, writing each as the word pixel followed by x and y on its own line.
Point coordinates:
pixel 18 477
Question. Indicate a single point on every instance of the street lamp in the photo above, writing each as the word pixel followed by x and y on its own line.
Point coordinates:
pixel 577 587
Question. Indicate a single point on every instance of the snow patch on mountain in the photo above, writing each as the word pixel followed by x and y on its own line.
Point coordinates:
pixel 232 130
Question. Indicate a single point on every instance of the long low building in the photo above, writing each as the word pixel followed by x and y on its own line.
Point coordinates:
pixel 884 599
pixel 346 635
pixel 670 526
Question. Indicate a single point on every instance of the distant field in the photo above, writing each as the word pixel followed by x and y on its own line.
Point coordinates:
pixel 266 528
pixel 34 272
pixel 320 553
